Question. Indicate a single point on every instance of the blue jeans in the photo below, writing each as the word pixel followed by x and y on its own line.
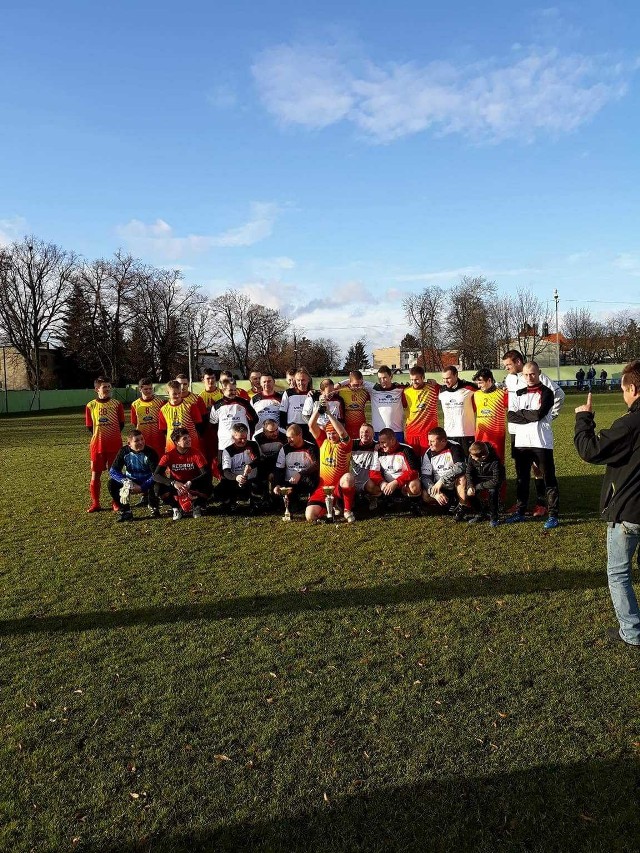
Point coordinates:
pixel 623 539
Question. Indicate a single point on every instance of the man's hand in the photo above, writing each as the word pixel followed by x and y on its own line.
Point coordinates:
pixel 587 407
pixel 182 488
pixel 389 488
pixel 241 480
pixel 294 478
pixel 471 492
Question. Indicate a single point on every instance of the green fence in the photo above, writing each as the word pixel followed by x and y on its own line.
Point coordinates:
pixel 15 402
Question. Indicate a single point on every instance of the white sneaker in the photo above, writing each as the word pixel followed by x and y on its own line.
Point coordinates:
pixel 177 514
pixel 197 512
pixel 349 517
pixel 337 512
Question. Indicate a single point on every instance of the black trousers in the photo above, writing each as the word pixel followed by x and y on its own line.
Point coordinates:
pixel 524 458
pixel 114 490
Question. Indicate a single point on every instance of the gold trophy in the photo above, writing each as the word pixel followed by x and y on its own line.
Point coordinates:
pixel 285 491
pixel 328 502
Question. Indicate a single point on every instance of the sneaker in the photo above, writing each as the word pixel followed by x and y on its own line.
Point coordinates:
pixel 197 512
pixel 115 507
pixel 512 510
pixel 125 515
pixel 337 512
pixel 552 522
pixel 613 635
pixel 349 516
pixel 475 519
pixel 177 514
pixel 514 518
pixel 460 514
pixel 373 504
pixel 539 511
pixel 94 508
pixel 494 522
pixel 155 512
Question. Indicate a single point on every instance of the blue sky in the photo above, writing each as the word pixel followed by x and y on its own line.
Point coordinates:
pixel 330 158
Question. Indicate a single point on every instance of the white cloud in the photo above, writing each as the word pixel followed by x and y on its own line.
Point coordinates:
pixel 12 229
pixel 351 293
pixel 271 268
pixel 531 91
pixel 628 262
pixel 448 275
pixel 158 237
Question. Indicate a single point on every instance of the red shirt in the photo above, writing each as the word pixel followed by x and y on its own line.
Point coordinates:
pixel 183 466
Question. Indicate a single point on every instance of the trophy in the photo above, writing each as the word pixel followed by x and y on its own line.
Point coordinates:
pixel 285 491
pixel 328 502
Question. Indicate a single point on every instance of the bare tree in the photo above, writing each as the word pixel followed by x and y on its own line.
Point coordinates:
pixel 502 323
pixel 237 320
pixel 424 313
pixel 104 292
pixel 35 281
pixel 585 334
pixel 468 321
pixel 530 317
pixel 166 307
pixel 269 338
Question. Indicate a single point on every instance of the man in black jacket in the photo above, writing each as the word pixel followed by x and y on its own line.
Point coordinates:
pixel 619 449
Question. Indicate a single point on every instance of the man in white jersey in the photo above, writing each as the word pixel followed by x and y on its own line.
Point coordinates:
pixel 513 362
pixel 266 402
pixel 458 409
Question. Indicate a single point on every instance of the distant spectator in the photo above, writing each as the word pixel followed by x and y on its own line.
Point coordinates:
pixel 603 378
pixel 580 378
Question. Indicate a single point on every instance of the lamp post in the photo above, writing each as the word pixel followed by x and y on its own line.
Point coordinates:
pixel 556 299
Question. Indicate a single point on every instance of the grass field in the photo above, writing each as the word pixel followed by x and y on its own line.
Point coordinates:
pixel 240 684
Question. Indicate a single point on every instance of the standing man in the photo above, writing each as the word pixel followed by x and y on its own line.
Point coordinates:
pixel 254 383
pixel 144 415
pixel 456 399
pixel 266 401
pixel 355 398
pixel 421 403
pixel 619 449
pixel 531 416
pixel 513 362
pixel 386 403
pixel 104 418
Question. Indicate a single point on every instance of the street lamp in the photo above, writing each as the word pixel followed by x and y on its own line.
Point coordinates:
pixel 556 298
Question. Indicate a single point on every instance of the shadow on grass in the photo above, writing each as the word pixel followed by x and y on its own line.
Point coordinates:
pixel 587 806
pixel 312 598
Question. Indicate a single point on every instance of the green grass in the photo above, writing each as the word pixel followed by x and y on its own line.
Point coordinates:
pixel 232 683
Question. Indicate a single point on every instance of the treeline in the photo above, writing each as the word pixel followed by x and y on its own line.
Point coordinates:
pixel 125 319
pixel 473 320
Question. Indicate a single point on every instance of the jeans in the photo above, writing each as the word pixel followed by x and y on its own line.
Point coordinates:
pixel 623 539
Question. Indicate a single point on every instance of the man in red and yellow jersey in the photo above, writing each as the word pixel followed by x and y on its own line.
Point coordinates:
pixel 144 415
pixel 491 404
pixel 188 396
pixel 104 418
pixel 355 398
pixel 209 395
pixel 176 413
pixel 335 463
pixel 421 403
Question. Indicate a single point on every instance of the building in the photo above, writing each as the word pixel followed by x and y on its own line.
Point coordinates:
pixel 395 358
pixel 13 368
